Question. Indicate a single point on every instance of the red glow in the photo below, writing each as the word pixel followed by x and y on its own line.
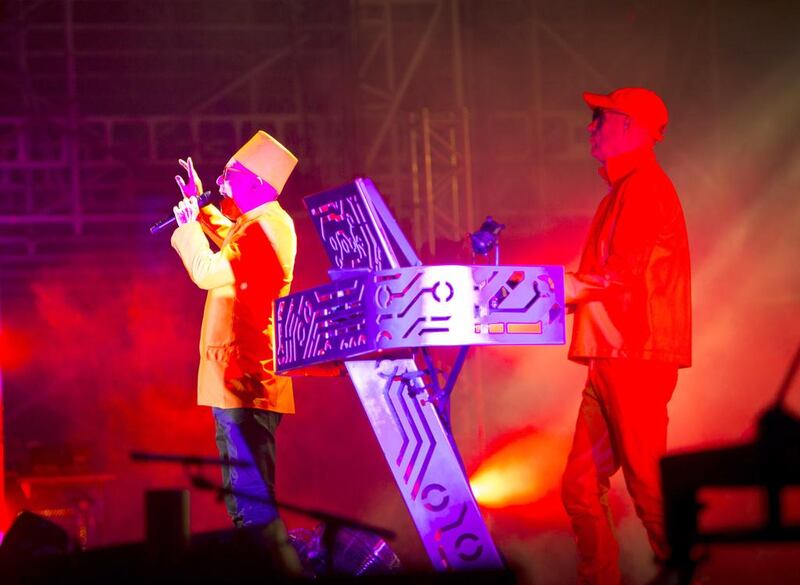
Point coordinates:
pixel 523 470
pixel 15 349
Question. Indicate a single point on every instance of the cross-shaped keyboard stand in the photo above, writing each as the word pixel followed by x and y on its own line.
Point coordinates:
pixel 383 307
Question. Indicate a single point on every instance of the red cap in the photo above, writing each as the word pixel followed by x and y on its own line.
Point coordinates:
pixel 641 104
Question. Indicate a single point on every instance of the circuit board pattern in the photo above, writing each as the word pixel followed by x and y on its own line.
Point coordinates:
pixel 469 305
pixel 520 305
pixel 424 464
pixel 346 222
pixel 420 306
pixel 322 324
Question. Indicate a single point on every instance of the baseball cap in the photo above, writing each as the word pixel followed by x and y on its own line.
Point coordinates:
pixel 641 104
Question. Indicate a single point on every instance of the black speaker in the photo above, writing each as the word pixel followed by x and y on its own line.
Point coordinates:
pixel 31 537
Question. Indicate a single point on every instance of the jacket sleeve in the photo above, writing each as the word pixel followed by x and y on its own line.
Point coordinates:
pixel 215 225
pixel 581 287
pixel 207 269
pixel 637 222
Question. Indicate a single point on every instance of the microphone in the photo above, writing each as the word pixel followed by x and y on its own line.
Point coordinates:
pixel 203 199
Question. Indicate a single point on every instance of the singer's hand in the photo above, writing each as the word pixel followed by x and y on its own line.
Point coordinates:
pixel 193 186
pixel 186 211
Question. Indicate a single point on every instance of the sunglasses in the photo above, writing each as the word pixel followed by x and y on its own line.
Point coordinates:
pixel 599 115
pixel 224 176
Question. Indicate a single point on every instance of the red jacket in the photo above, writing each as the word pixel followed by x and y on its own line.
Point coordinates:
pixel 253 267
pixel 631 294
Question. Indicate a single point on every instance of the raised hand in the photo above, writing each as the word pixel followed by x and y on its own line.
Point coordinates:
pixel 186 211
pixel 193 186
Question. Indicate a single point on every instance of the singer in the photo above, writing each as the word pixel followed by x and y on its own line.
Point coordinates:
pixel 253 266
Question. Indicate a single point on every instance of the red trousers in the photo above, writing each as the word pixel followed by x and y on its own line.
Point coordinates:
pixel 622 422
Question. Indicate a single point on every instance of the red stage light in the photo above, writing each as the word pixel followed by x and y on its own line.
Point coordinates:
pixel 15 349
pixel 521 471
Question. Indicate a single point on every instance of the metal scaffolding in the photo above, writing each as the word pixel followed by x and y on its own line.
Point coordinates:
pixel 399 45
pixel 441 169
pixel 104 95
pixel 78 172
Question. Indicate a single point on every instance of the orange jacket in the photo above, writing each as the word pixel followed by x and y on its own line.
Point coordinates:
pixel 253 267
pixel 631 294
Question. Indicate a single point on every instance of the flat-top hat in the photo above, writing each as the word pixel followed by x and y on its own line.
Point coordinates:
pixel 267 158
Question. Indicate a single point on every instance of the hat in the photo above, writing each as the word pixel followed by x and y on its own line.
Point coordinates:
pixel 267 158
pixel 641 104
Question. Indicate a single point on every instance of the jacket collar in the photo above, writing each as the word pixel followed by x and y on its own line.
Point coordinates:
pixel 617 168
pixel 259 210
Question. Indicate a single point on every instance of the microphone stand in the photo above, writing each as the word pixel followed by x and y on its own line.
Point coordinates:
pixel 770 462
pixel 333 522
pixel 778 435
pixel 188 460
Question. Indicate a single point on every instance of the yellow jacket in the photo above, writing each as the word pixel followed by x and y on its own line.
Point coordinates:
pixel 253 267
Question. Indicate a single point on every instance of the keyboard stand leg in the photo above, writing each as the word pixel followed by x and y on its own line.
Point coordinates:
pixel 425 463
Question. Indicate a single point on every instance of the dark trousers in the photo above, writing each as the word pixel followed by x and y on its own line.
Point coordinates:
pixel 247 435
pixel 622 423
